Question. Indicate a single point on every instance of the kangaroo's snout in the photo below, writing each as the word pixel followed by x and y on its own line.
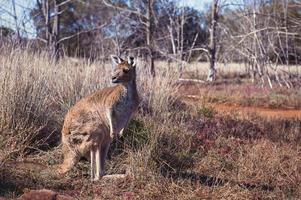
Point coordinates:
pixel 116 76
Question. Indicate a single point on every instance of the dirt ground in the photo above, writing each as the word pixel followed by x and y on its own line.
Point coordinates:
pixel 194 94
pixel 243 110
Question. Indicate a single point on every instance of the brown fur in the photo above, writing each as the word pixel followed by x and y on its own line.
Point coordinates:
pixel 94 121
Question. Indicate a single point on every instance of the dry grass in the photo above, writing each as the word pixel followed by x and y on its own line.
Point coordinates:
pixel 173 151
pixel 200 69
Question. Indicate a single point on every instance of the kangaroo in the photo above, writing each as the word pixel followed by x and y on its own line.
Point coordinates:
pixel 94 121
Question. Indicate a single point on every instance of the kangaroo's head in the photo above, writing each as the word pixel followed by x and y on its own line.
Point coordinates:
pixel 125 70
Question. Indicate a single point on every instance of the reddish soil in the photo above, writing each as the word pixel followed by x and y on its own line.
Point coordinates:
pixel 265 112
pixel 190 91
pixel 245 110
pixel 43 195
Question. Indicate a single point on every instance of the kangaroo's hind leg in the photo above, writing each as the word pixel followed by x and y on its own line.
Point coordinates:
pixel 104 148
pixel 98 158
pixel 104 152
pixel 93 163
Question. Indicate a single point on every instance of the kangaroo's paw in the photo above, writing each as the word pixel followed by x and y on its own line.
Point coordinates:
pixel 119 135
pixel 112 135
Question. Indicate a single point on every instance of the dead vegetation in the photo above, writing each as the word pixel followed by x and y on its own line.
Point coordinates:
pixel 172 150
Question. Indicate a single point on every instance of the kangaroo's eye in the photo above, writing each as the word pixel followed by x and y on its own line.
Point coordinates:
pixel 126 70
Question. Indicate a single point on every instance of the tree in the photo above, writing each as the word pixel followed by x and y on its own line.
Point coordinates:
pixel 212 43
pixel 160 29
pixel 13 13
pixel 50 12
pixel 183 28
pixel 16 21
pixel 81 27
pixel 144 12
pixel 210 49
pixel 264 35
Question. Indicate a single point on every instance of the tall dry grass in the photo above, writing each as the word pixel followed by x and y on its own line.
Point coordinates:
pixel 24 102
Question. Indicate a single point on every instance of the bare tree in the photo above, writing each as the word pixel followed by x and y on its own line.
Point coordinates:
pixel 51 12
pixel 52 30
pixel 13 13
pixel 175 28
pixel 149 35
pixel 210 49
pixel 147 20
pixel 178 33
pixel 16 21
pixel 212 43
pixel 263 35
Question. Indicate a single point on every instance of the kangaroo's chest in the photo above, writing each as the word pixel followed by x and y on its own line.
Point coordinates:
pixel 123 110
pixel 124 107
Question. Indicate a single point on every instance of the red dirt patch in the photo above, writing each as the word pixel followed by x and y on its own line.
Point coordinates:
pixel 265 112
pixel 44 195
pixel 193 93
pixel 244 110
pixel 243 94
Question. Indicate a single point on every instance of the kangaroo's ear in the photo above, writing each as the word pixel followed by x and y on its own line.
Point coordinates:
pixel 131 61
pixel 116 59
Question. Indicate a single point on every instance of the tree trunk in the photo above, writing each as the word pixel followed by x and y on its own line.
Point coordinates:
pixel 212 70
pixel 149 37
pixel 212 44
pixel 172 40
pixel 52 33
pixel 56 32
pixel 181 67
pixel 16 21
pixel 46 14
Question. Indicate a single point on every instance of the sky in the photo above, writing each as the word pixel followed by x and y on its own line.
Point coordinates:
pixel 23 8
pixel 196 4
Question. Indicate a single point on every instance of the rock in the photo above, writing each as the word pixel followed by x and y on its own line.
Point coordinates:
pixel 43 195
